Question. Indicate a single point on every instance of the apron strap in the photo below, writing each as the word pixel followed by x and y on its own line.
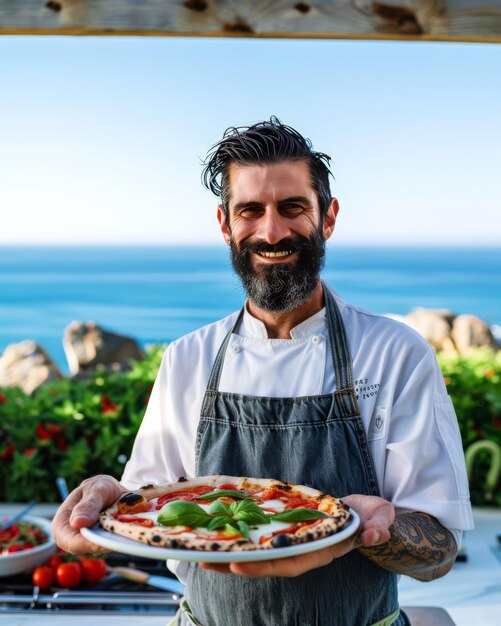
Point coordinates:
pixel 217 368
pixel 338 342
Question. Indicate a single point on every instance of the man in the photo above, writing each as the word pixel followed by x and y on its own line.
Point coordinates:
pixel 302 387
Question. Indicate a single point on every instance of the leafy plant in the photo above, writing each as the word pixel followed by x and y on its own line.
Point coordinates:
pixel 76 428
pixel 474 384
pixel 71 428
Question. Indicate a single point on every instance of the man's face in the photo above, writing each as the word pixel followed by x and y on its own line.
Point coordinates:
pixel 276 236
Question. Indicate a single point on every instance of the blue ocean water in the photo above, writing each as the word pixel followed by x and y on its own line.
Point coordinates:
pixel 157 294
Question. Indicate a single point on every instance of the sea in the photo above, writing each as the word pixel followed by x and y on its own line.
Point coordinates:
pixel 159 293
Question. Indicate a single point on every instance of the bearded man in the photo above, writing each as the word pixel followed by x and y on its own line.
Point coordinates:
pixel 302 387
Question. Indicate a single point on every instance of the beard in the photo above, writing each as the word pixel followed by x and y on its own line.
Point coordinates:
pixel 280 286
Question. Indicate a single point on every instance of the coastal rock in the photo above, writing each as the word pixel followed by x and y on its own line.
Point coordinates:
pixel 89 347
pixel 450 333
pixel 469 331
pixel 26 365
pixel 435 326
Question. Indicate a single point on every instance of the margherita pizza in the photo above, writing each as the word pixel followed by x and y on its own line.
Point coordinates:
pixel 224 513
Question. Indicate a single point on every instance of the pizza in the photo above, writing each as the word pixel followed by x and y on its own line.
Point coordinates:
pixel 225 513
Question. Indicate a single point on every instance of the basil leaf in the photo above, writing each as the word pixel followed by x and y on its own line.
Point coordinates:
pixel 219 508
pixel 243 527
pixel 248 511
pixel 227 493
pixel 219 521
pixel 230 529
pixel 297 515
pixel 183 513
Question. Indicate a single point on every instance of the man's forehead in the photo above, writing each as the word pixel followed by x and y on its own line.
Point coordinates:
pixel 285 174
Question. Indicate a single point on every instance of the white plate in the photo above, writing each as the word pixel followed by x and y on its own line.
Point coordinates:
pixel 116 543
pixel 27 559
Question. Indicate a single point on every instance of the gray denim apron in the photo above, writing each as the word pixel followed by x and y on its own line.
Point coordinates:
pixel 314 440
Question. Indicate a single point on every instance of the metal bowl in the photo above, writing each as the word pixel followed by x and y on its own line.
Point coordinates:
pixel 27 559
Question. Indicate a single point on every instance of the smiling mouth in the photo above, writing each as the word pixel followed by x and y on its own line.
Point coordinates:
pixel 276 255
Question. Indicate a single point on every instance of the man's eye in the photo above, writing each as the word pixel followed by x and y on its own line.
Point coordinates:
pixel 252 211
pixel 291 209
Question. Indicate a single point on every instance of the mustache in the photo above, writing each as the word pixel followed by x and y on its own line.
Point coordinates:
pixel 284 245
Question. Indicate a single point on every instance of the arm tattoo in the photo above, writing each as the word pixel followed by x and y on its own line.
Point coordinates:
pixel 419 547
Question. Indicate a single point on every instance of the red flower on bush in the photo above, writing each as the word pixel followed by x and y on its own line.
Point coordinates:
pixel 7 454
pixel 47 431
pixel 3 398
pixel 29 451
pixel 107 406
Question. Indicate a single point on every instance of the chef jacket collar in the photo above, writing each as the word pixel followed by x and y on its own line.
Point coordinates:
pixel 252 327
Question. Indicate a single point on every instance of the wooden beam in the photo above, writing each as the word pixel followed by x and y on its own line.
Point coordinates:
pixel 415 20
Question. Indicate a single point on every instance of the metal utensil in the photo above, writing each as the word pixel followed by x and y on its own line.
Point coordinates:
pixel 20 514
pixel 138 576
pixel 62 487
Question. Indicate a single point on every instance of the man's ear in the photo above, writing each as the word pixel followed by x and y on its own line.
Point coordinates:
pixel 223 224
pixel 330 218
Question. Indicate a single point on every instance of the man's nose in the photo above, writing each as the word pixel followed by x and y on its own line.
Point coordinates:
pixel 274 227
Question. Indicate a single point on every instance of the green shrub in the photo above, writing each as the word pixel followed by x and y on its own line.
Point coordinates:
pixel 474 384
pixel 77 428
pixel 71 428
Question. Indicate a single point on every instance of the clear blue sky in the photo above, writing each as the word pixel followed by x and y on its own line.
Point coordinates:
pixel 101 138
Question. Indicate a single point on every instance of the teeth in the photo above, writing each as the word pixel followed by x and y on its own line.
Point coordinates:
pixel 273 255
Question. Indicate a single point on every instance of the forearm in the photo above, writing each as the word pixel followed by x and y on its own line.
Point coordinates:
pixel 419 547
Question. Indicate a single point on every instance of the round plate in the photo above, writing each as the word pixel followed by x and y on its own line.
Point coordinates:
pixel 116 543
pixel 27 559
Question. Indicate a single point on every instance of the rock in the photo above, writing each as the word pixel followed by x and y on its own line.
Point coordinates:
pixel 450 333
pixel 470 332
pixel 26 365
pixel 435 326
pixel 89 347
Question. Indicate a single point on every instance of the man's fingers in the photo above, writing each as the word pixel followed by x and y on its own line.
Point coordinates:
pixel 86 512
pixel 291 566
pixel 81 509
pixel 220 568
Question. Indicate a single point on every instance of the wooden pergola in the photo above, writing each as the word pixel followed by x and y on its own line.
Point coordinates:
pixel 415 20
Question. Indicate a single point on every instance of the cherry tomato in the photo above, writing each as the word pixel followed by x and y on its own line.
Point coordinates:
pixel 14 548
pixel 93 569
pixel 43 576
pixel 69 574
pixel 54 561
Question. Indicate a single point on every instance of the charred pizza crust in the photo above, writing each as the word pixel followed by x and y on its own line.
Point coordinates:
pixel 135 502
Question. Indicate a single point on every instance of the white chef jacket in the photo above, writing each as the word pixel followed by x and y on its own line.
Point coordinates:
pixel 409 419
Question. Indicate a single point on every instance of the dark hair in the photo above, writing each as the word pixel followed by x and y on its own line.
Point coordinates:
pixel 265 142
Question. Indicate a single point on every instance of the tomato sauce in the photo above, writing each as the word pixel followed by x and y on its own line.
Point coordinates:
pixel 187 494
pixel 140 521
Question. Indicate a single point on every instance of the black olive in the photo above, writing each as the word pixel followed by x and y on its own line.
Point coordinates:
pixel 182 479
pixel 156 538
pixel 281 541
pixel 130 498
pixel 214 546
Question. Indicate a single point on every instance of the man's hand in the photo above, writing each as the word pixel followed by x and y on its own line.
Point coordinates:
pixel 376 517
pixel 81 509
